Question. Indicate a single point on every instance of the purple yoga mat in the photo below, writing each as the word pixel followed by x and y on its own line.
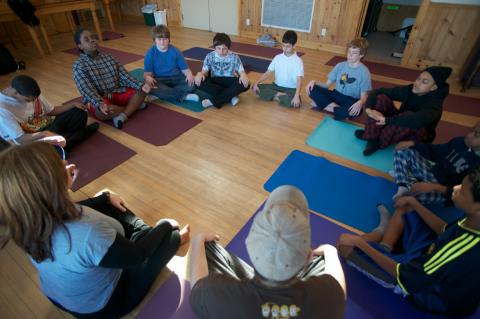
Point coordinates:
pixel 158 125
pixel 121 56
pixel 257 50
pixel 169 301
pixel 366 299
pixel 391 71
pixel 111 35
pixel 95 157
pixel 453 103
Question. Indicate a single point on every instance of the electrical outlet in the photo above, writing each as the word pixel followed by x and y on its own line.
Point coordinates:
pixel 323 32
pixel 248 22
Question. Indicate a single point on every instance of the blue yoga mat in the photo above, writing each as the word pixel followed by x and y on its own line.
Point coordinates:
pixel 249 62
pixel 338 138
pixel 189 105
pixel 339 192
pixel 365 298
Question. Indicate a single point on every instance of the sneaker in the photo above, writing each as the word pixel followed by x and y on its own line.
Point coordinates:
pixel 372 147
pixel 151 98
pixel 119 120
pixel 207 103
pixel 234 101
pixel 192 97
pixel 359 134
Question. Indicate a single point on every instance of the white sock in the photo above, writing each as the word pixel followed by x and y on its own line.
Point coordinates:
pixel 402 191
pixel 151 98
pixel 384 218
pixel 234 101
pixel 313 104
pixel 192 97
pixel 119 120
pixel 207 103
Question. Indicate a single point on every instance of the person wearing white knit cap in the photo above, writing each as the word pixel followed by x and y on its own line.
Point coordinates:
pixel 288 278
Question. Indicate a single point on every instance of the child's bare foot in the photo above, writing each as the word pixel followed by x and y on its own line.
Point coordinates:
pixel 184 234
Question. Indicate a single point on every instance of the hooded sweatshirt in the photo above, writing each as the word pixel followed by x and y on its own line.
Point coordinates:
pixel 416 111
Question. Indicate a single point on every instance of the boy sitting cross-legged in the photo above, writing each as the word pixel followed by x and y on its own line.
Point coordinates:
pixel 352 84
pixel 438 267
pixel 222 77
pixel 429 171
pixel 288 68
pixel 166 71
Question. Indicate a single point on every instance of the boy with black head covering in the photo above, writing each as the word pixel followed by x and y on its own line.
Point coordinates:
pixel 418 115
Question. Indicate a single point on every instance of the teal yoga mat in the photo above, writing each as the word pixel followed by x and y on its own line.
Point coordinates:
pixel 338 138
pixel 189 105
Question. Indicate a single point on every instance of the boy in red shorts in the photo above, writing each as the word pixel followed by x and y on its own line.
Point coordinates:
pixel 108 90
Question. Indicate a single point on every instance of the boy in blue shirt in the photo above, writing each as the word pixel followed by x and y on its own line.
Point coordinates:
pixel 166 70
pixel 352 84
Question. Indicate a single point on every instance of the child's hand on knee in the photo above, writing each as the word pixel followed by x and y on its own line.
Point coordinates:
pixel 310 86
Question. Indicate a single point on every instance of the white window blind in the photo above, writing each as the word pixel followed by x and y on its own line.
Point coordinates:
pixel 288 14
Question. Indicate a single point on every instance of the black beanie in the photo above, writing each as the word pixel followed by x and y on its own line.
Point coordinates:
pixel 439 74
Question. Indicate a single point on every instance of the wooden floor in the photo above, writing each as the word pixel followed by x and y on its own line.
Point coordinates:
pixel 211 177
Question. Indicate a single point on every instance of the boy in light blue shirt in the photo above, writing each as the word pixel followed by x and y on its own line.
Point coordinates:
pixel 166 70
pixel 352 84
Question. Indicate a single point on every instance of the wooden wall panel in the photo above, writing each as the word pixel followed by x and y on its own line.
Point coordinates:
pixel 341 18
pixel 443 35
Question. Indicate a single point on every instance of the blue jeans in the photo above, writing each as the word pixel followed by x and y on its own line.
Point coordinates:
pixel 323 97
pixel 173 88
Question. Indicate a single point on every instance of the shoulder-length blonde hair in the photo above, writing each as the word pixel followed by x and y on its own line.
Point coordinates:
pixel 34 198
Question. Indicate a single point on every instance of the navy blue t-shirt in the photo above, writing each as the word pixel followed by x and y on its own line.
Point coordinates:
pixel 446 279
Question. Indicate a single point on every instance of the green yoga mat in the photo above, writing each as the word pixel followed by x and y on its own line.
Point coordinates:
pixel 338 138
pixel 189 105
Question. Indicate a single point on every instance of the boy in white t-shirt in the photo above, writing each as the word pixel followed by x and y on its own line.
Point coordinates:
pixel 288 68
pixel 26 116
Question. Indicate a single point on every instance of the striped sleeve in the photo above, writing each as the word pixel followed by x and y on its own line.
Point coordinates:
pixel 426 270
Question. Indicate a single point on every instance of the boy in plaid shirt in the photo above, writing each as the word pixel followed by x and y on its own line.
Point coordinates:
pixel 108 90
